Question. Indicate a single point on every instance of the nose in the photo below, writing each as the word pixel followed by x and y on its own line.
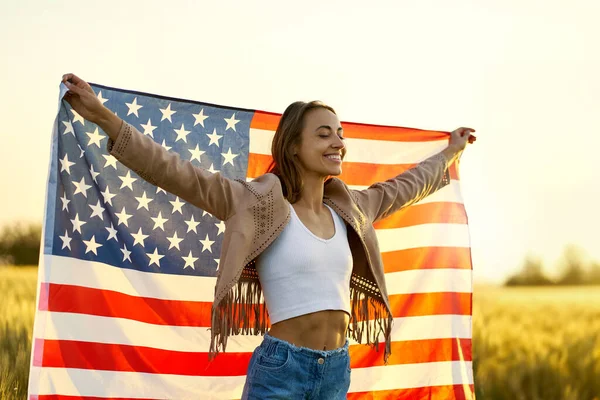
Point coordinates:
pixel 339 143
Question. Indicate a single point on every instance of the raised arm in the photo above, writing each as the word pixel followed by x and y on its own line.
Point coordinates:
pixel 212 192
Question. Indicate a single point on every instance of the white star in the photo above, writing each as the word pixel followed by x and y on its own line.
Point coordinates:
pixel 189 261
pixel 204 212
pixel 177 205
pixel 196 153
pixel 229 156
pixel 111 161
pixel 212 169
pixel 95 138
pixel 221 226
pixel 207 244
pixel 127 180
pixel 200 117
pixel 143 201
pixel 174 240
pixel 68 127
pixel 81 150
pixel 133 107
pixel 112 233
pixel 165 146
pixel 102 99
pixel 166 113
pixel 154 257
pixel 149 128
pixel 218 261
pixel 81 187
pixel 94 173
pixel 159 189
pixel 91 245
pixel 214 138
pixel 65 164
pixel 139 237
pixel 97 211
pixel 107 195
pixel 77 118
pixel 192 225
pixel 77 224
pixel 159 221
pixel 66 241
pixel 181 133
pixel 126 253
pixel 65 201
pixel 231 122
pixel 123 217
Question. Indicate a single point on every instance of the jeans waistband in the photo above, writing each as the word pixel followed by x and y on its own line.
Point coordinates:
pixel 270 342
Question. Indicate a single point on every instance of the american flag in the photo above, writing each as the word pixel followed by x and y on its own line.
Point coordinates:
pixel 127 271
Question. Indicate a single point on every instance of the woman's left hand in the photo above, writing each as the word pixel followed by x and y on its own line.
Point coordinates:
pixel 460 137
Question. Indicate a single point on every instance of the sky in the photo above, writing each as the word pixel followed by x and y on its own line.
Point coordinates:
pixel 524 74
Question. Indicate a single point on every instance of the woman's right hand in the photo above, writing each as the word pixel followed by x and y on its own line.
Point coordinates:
pixel 82 98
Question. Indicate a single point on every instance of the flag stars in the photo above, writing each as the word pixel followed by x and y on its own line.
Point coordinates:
pixel 196 153
pixel 95 137
pixel 66 241
pixel 192 225
pixel 221 226
pixel 81 187
pixel 143 201
pixel 189 261
pixel 102 99
pixel 91 245
pixel 177 204
pixel 164 145
pixel 77 223
pixel 200 117
pixel 133 107
pixel 107 196
pixel 207 244
pixel 159 221
pixel 126 253
pixel 212 169
pixel 167 113
pixel 155 257
pixel 65 164
pixel 231 122
pixel 174 240
pixel 181 133
pixel 97 210
pixel 80 150
pixel 149 129
pixel 139 237
pixel 111 161
pixel 123 217
pixel 127 181
pixel 65 202
pixel 229 156
pixel 68 128
pixel 214 138
pixel 112 233
pixel 77 118
pixel 94 173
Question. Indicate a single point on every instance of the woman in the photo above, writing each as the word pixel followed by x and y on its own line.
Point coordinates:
pixel 296 233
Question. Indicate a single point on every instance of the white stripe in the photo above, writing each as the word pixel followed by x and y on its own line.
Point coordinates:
pixel 96 275
pixel 450 193
pixel 363 150
pixel 426 235
pixel 81 382
pixel 429 281
pixel 92 328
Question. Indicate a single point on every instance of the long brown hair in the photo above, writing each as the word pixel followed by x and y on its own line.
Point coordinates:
pixel 289 134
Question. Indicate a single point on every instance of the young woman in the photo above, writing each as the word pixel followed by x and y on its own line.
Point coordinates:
pixel 297 234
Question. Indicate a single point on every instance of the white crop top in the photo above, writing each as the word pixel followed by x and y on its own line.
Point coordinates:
pixel 301 273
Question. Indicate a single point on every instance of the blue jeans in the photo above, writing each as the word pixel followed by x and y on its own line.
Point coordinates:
pixel 280 370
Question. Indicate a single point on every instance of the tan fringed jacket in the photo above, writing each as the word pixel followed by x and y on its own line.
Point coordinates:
pixel 255 213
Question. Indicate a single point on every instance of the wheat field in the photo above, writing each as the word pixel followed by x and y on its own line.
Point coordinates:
pixel 528 343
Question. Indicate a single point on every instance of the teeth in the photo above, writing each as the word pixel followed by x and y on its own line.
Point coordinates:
pixel 334 157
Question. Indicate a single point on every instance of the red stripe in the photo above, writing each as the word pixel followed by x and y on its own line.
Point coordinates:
pixel 353 173
pixel 128 358
pixel 269 121
pixel 427 258
pixel 428 213
pixel 449 392
pixel 83 300
pixel 65 397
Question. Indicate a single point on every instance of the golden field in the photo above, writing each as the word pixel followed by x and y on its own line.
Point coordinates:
pixel 528 343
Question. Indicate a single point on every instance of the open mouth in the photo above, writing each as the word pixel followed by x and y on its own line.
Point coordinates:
pixel 336 158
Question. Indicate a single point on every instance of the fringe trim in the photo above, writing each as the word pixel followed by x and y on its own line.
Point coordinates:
pixel 370 316
pixel 241 312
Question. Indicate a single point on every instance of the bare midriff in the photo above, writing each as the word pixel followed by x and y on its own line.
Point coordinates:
pixel 322 330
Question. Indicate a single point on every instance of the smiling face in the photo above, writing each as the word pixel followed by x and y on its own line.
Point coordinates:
pixel 322 147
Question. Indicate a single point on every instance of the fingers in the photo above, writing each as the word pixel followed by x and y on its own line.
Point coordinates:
pixel 74 88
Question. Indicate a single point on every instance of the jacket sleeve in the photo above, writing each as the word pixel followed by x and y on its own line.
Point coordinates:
pixel 211 192
pixel 384 198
